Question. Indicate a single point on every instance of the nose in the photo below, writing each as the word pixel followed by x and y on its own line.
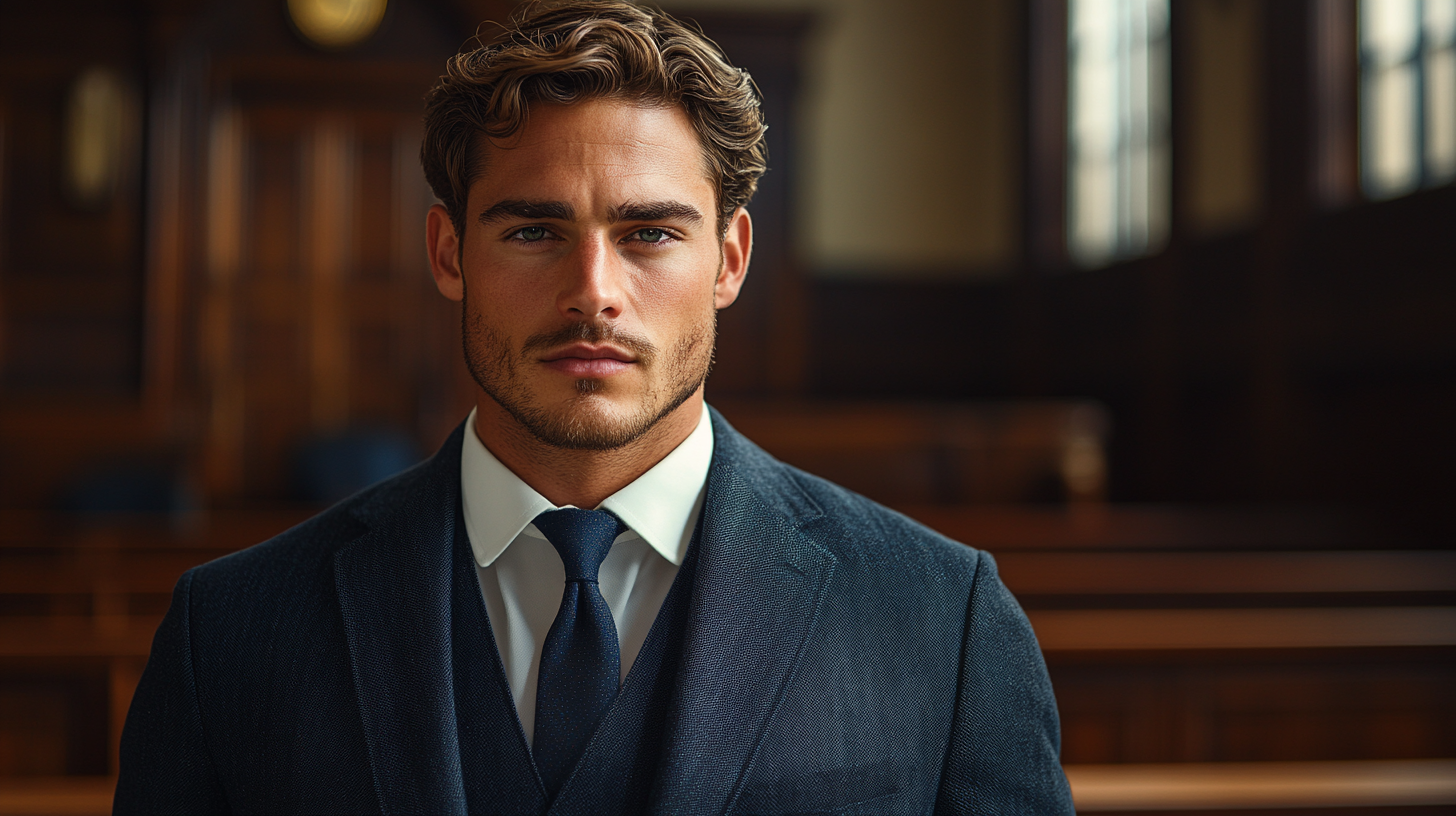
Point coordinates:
pixel 593 285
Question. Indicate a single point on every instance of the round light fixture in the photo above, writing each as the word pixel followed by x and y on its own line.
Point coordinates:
pixel 101 142
pixel 336 24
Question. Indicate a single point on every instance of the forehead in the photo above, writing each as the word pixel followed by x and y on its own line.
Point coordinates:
pixel 601 148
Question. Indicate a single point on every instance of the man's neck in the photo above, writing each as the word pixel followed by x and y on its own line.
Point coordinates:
pixel 581 478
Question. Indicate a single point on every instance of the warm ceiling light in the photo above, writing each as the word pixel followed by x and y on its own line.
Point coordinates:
pixel 335 24
pixel 101 137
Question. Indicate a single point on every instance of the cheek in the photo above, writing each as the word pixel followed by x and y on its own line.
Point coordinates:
pixel 680 293
pixel 675 305
pixel 507 293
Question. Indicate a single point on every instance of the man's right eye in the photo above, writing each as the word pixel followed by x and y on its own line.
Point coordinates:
pixel 531 234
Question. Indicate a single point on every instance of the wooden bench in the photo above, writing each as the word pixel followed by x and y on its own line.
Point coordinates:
pixel 1189 787
pixel 939 453
pixel 1186 635
pixel 1084 574
pixel 1236 786
pixel 1123 527
pixel 79 605
pixel 1157 631
pixel 57 796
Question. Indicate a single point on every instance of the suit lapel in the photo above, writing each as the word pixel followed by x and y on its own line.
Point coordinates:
pixel 756 597
pixel 757 592
pixel 393 585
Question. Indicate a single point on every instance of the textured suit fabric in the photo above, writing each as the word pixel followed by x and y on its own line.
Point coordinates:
pixel 834 657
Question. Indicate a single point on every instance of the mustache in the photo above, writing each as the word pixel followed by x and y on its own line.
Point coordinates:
pixel 595 333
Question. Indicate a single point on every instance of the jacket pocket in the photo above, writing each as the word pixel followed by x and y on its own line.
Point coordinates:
pixel 820 793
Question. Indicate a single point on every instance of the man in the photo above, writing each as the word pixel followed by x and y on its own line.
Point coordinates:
pixel 597 597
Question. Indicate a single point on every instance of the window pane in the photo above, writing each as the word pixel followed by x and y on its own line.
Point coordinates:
pixel 1440 23
pixel 1390 132
pixel 1094 196
pixel 1388 29
pixel 1408 94
pixel 1117 128
pixel 1440 83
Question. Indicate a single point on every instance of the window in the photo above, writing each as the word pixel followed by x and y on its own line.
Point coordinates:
pixel 1117 131
pixel 1407 95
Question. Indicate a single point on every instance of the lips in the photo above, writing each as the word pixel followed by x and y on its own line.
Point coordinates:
pixel 586 360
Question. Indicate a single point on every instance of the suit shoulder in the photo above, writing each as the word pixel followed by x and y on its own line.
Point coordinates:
pixel 864 528
pixel 310 545
pixel 856 529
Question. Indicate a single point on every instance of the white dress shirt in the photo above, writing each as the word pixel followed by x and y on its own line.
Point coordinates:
pixel 521 575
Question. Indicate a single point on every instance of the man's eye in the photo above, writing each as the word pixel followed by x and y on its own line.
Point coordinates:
pixel 531 234
pixel 651 236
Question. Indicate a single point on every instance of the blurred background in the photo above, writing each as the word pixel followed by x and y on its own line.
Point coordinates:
pixel 1154 300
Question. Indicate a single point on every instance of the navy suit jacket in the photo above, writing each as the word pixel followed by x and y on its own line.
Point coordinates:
pixel 837 658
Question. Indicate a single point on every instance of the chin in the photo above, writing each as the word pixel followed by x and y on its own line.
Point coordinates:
pixel 589 419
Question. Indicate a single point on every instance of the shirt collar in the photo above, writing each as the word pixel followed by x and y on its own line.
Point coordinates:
pixel 661 506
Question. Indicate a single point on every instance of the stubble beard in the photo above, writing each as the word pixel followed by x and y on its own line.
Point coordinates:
pixel 586 421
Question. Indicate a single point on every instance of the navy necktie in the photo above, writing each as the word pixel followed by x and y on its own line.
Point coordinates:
pixel 580 660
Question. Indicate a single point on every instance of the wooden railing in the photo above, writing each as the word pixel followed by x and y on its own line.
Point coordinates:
pixel 1234 786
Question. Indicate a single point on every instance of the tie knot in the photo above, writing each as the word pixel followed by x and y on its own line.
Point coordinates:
pixel 582 537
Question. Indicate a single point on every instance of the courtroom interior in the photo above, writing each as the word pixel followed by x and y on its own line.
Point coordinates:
pixel 1155 301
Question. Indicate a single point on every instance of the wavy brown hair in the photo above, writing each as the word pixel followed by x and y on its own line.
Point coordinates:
pixel 573 51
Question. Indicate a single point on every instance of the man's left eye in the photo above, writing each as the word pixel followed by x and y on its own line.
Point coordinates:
pixel 652 235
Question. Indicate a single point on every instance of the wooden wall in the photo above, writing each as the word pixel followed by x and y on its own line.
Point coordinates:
pixel 257 280
pixel 1291 343
pixel 1335 387
pixel 72 280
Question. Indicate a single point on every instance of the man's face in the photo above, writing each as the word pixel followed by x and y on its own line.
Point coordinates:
pixel 591 271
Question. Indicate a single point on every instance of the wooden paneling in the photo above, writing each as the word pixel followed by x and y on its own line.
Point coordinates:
pixel 1366 316
pixel 208 318
pixel 317 313
pixel 71 273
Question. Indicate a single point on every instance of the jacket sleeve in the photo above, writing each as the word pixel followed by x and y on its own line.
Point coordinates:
pixel 165 765
pixel 1004 739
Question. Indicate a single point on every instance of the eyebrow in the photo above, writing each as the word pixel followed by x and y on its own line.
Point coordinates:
pixel 655 211
pixel 561 211
pixel 515 208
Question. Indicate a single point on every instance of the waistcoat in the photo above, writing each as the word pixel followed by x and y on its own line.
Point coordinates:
pixel 616 773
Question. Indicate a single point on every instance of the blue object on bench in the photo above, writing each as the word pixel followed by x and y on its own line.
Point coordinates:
pixel 128 488
pixel 331 467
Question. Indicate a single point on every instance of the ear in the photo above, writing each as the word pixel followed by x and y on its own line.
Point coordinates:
pixel 444 249
pixel 737 246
